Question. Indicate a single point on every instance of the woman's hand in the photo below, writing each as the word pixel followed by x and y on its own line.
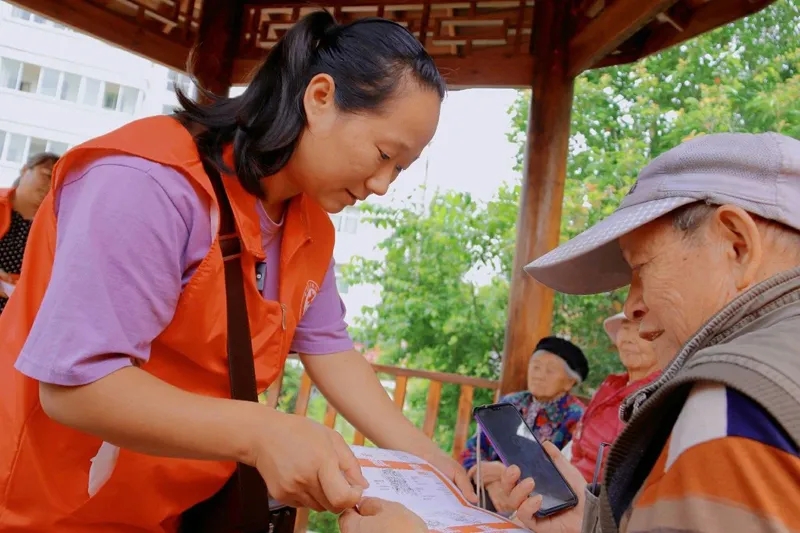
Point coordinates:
pixel 306 464
pixel 517 495
pixel 454 472
pixel 380 516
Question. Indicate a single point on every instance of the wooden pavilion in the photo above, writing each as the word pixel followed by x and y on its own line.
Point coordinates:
pixel 538 44
pixel 541 44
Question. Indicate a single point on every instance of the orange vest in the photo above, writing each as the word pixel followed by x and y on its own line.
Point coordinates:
pixel 44 466
pixel 6 208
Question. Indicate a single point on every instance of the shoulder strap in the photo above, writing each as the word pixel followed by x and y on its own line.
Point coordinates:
pixel 253 498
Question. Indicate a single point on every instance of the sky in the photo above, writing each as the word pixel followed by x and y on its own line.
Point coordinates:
pixel 469 152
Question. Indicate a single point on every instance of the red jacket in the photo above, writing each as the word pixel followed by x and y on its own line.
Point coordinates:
pixel 601 421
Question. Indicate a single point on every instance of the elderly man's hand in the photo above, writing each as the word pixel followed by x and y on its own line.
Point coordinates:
pixel 490 472
pixel 380 516
pixel 516 496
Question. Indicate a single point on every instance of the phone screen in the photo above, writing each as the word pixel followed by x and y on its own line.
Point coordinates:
pixel 514 442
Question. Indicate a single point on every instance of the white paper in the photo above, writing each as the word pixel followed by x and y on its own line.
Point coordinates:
pixel 407 479
pixel 102 467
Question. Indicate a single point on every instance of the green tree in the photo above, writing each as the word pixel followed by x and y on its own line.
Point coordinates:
pixel 740 78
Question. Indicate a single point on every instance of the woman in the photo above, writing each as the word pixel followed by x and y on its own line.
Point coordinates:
pixel 18 205
pixel 554 369
pixel 118 325
pixel 601 422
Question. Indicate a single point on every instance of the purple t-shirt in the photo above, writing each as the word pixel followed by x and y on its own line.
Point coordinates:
pixel 130 233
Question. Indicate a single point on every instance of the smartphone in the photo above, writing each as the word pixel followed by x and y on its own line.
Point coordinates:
pixel 515 444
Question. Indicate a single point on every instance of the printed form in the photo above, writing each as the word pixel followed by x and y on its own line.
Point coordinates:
pixel 407 479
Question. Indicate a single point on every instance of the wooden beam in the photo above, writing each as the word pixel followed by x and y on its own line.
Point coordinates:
pixel 705 17
pixel 217 44
pixel 530 309
pixel 114 29
pixel 474 71
pixel 612 27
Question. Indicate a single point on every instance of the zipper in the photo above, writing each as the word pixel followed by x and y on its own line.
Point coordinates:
pixel 283 316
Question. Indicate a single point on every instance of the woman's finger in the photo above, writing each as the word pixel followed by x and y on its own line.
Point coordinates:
pixel 348 463
pixel 337 490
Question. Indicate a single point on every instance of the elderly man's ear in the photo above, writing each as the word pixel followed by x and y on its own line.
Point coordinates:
pixel 742 243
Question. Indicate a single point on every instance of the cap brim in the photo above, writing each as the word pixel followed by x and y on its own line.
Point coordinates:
pixel 592 262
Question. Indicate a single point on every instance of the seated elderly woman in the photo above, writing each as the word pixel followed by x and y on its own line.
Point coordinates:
pixel 601 422
pixel 555 367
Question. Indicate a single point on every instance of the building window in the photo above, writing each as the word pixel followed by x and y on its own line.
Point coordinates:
pixel 176 80
pixel 21 14
pixel 9 73
pixel 342 286
pixel 347 220
pixel 128 98
pixel 15 151
pixel 16 148
pixel 91 91
pixel 37 146
pixel 111 96
pixel 57 148
pixel 69 87
pixel 29 78
pixel 48 82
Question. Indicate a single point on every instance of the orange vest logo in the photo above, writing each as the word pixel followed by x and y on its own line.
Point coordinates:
pixel 312 289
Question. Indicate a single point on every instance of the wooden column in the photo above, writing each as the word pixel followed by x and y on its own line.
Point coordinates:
pixel 217 43
pixel 530 306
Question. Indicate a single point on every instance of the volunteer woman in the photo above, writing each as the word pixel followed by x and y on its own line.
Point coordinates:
pixel 118 327
pixel 18 205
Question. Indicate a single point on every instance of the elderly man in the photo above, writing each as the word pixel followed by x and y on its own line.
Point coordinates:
pixel 709 240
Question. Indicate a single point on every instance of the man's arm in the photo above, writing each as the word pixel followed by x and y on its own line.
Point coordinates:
pixel 728 467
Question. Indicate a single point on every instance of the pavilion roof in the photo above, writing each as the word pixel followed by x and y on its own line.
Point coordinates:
pixel 476 43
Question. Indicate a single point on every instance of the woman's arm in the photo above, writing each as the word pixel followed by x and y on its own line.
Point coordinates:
pixel 348 382
pixel 132 409
pixel 126 242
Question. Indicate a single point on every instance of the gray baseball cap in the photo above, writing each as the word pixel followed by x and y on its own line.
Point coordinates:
pixel 758 172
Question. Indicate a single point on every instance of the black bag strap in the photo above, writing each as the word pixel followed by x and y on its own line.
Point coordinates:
pixel 253 498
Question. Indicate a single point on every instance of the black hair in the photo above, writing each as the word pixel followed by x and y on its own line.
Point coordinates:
pixel 368 59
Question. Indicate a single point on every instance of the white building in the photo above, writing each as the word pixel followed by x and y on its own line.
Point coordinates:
pixel 59 87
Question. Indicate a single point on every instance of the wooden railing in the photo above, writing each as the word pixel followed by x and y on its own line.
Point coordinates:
pixel 400 377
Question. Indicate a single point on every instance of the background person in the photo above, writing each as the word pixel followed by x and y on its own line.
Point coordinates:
pixel 18 205
pixel 601 422
pixel 548 407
